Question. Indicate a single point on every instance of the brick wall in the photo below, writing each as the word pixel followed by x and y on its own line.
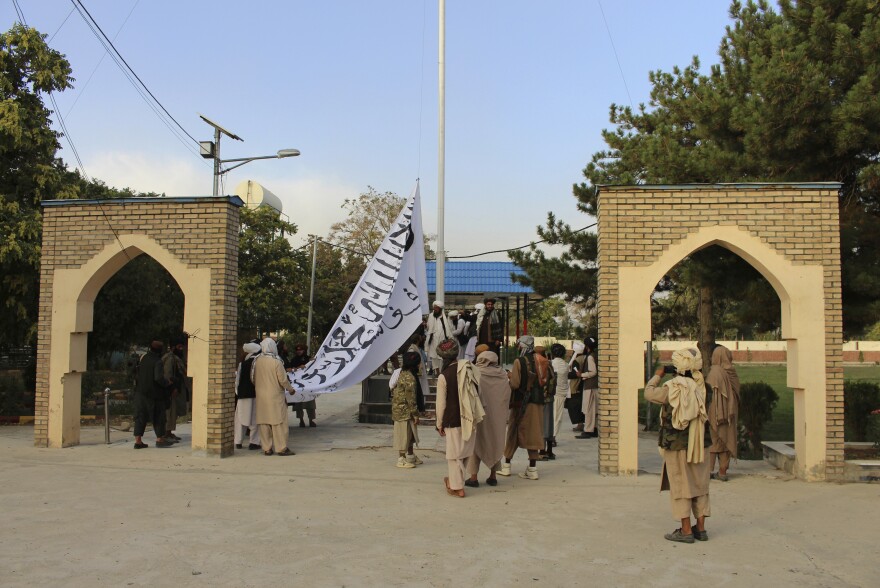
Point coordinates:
pixel 200 232
pixel 636 226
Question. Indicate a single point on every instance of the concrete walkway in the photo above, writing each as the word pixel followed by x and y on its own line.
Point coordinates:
pixel 340 514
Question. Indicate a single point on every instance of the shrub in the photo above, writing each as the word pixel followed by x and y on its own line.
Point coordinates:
pixel 12 395
pixel 756 403
pixel 859 399
pixel 94 382
pixel 874 428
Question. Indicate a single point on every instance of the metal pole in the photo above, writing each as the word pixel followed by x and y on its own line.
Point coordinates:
pixel 311 296
pixel 649 364
pixel 107 416
pixel 216 161
pixel 441 158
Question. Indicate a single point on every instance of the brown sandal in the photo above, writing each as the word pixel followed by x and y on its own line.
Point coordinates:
pixel 451 492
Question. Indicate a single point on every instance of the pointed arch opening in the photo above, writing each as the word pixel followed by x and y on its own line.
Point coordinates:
pixel 789 233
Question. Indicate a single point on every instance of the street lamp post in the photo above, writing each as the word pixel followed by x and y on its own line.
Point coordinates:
pixel 211 150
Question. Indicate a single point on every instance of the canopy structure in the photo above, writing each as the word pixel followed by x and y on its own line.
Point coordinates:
pixel 470 282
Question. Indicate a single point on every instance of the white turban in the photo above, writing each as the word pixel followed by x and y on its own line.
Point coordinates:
pixel 269 347
pixel 453 313
pixel 250 348
pixel 438 303
pixel 687 397
pixel 479 306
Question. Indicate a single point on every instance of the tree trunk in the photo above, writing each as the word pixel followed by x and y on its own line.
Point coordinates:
pixel 707 326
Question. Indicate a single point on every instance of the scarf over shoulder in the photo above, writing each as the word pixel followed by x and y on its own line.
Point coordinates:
pixel 472 413
pixel 687 397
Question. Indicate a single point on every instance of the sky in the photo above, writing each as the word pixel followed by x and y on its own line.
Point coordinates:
pixel 353 84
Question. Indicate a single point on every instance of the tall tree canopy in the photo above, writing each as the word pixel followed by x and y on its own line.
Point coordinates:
pixel 368 220
pixel 793 98
pixel 29 170
pixel 270 273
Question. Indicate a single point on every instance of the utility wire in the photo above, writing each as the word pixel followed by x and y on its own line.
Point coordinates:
pixel 73 148
pixel 63 22
pixel 449 256
pixel 100 61
pixel 513 248
pixel 422 86
pixel 614 49
pixel 134 84
pixel 80 4
pixel 149 98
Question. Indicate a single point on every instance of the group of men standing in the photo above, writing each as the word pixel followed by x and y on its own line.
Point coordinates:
pixel 161 391
pixel 261 404
pixel 483 326
pixel 486 413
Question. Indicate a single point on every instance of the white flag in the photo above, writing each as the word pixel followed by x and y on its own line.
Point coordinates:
pixel 381 314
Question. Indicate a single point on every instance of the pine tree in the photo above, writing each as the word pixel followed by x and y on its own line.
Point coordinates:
pixel 793 98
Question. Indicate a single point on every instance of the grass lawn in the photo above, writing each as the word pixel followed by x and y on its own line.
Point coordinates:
pixel 781 428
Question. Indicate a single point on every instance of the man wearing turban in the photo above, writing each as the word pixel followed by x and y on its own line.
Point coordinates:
pixel 683 440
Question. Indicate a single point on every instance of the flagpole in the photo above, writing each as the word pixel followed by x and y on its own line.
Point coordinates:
pixel 311 296
pixel 440 286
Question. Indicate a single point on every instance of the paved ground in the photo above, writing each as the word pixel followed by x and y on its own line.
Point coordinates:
pixel 340 514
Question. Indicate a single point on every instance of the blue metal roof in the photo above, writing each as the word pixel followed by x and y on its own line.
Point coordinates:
pixel 478 277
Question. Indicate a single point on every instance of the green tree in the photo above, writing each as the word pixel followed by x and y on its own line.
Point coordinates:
pixel 29 171
pixel 794 98
pixel 139 303
pixel 573 273
pixel 368 220
pixel 334 282
pixel 551 318
pixel 270 273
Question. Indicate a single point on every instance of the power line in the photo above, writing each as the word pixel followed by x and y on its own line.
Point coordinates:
pixel 135 80
pixel 448 256
pixel 63 22
pixel 68 137
pixel 513 248
pixel 614 49
pixel 134 85
pixel 165 110
pixel 100 61
pixel 73 148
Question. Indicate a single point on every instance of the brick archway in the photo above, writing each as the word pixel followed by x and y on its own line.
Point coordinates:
pixel 85 242
pixel 788 233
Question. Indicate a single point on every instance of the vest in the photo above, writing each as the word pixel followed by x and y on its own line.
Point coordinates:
pixel 592 383
pixel 674 439
pixel 246 388
pixel 452 413
pixel 529 390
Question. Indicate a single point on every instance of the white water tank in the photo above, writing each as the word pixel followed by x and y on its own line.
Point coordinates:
pixel 255 195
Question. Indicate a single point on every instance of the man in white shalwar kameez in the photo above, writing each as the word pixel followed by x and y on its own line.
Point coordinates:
pixel 245 399
pixel 437 329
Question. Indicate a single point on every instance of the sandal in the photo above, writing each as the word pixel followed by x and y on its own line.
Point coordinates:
pixel 451 492
pixel 286 452
pixel 270 452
